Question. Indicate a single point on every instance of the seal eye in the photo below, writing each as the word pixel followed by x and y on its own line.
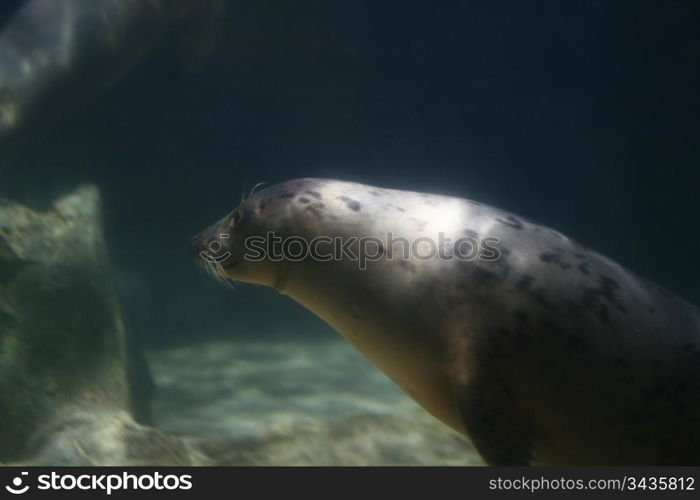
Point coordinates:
pixel 235 218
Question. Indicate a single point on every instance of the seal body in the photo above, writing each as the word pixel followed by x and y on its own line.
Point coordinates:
pixel 55 55
pixel 539 349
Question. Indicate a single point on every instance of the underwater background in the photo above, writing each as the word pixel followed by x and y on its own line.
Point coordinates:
pixel 582 116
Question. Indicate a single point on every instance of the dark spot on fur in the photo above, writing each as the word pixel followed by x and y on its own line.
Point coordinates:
pixel 420 223
pixel 504 268
pixel 315 194
pixel 583 268
pixel 304 199
pixel 604 293
pixel 599 310
pixel 395 207
pixel 609 288
pixel 541 298
pixel 554 258
pixel 608 282
pixel 408 266
pixel 511 221
pixel 286 194
pixel 315 211
pixel 524 282
pixel 375 193
pixel 483 276
pixel 352 204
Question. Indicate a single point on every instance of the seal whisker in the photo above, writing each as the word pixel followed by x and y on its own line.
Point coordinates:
pixel 259 184
pixel 207 266
pixel 217 271
pixel 226 282
pixel 244 197
pixel 201 265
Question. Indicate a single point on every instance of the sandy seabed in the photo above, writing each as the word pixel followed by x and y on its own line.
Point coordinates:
pixel 301 402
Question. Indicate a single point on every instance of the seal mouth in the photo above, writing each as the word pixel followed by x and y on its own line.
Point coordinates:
pixel 228 264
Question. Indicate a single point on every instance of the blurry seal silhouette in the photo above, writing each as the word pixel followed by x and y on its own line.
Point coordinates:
pixel 56 55
pixel 541 351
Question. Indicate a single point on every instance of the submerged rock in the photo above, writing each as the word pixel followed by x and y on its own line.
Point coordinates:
pixel 71 388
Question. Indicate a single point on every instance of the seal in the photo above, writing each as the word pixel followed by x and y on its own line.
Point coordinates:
pixel 540 350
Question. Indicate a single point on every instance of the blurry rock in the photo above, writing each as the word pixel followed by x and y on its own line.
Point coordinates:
pixel 69 389
pixel 87 434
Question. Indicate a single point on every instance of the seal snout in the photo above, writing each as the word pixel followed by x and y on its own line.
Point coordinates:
pixel 199 243
pixel 209 245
